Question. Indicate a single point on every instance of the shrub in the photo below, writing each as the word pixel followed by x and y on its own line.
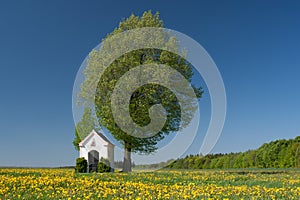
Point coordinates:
pixel 81 165
pixel 103 165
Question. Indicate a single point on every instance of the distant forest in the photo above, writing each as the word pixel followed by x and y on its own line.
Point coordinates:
pixel 119 164
pixel 276 154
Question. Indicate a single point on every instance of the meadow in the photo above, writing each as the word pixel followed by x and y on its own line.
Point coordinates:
pixel 163 184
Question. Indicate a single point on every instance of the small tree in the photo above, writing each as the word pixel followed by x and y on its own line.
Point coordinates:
pixel 81 165
pixel 103 165
pixel 84 127
pixel 76 140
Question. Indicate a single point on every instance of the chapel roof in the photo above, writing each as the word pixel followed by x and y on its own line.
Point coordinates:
pixel 92 133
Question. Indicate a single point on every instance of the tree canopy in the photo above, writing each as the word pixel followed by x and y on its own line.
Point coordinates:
pixel 145 97
pixel 276 154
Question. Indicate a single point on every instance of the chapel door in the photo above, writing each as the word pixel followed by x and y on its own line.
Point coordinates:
pixel 93 160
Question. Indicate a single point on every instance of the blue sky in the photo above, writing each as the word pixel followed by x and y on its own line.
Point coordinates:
pixel 255 45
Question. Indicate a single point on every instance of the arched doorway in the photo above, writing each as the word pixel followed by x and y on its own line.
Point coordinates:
pixel 93 160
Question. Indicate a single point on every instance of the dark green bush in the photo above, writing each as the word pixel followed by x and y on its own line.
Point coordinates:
pixel 81 165
pixel 103 165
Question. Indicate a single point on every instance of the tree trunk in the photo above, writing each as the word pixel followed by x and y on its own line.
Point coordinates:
pixel 127 158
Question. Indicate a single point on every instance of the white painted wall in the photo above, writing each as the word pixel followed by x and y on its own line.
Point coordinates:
pixel 94 142
pixel 111 155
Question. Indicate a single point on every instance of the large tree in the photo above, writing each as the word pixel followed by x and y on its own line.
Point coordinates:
pixel 145 96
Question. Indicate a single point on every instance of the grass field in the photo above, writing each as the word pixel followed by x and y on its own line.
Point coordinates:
pixel 206 184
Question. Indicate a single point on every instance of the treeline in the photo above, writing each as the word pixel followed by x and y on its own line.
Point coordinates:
pixel 119 164
pixel 153 166
pixel 276 154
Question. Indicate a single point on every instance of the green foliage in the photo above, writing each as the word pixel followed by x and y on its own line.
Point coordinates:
pixel 81 165
pixel 76 140
pixel 144 97
pixel 276 154
pixel 84 127
pixel 104 165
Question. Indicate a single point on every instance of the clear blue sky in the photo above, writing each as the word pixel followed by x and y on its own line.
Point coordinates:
pixel 255 44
